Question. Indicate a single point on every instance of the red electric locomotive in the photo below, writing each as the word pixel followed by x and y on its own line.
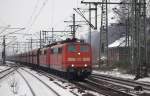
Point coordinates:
pixel 72 58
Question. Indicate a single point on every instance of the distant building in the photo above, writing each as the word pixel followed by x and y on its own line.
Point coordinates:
pixel 115 31
pixel 118 51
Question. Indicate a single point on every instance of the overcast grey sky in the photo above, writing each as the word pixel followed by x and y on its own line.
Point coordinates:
pixel 23 13
pixel 36 15
pixel 26 13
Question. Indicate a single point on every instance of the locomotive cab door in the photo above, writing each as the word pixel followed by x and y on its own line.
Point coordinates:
pixel 38 54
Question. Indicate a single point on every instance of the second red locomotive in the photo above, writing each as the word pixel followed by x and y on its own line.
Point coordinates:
pixel 72 58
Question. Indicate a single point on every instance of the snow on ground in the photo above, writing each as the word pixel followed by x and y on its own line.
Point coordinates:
pixel 3 68
pixel 9 62
pixel 6 66
pixel 69 88
pixel 76 90
pixel 57 88
pixel 14 85
pixel 39 88
pixel 116 73
pixel 146 80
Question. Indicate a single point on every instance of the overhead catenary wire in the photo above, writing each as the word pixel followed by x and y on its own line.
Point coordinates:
pixel 43 5
pixel 34 10
pixel 12 41
pixel 81 14
pixel 5 28
pixel 53 12
pixel 36 16
pixel 14 31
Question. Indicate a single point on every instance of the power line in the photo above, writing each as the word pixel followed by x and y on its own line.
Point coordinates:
pixel 34 10
pixel 5 28
pixel 53 10
pixel 40 10
pixel 14 31
pixel 43 5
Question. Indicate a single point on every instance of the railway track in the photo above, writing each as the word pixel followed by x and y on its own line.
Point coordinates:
pixel 71 84
pixel 95 84
pixel 42 82
pixel 121 84
pixel 89 85
pixel 100 88
pixel 53 78
pixel 6 72
pixel 123 81
pixel 31 89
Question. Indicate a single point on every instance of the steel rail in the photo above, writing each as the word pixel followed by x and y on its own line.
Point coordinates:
pixel 89 87
pixel 33 93
pixel 42 82
pixel 54 77
pixel 102 89
pixel 82 85
pixel 122 81
pixel 5 70
pixel 3 76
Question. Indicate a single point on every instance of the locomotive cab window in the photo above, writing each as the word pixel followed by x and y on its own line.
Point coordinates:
pixel 52 51
pixel 71 48
pixel 40 52
pixel 84 48
pixel 59 50
pixel 44 51
pixel 55 50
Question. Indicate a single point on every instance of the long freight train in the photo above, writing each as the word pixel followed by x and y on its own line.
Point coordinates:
pixel 71 58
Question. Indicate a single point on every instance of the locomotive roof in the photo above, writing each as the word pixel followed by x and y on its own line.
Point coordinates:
pixel 68 40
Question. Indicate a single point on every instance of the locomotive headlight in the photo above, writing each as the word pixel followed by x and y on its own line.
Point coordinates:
pixel 85 65
pixel 72 65
pixel 79 53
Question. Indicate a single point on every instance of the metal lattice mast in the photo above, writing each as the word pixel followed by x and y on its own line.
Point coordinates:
pixel 104 33
pixel 138 37
pixel 4 49
pixel 143 39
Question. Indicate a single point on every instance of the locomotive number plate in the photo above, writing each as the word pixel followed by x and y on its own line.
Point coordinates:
pixel 79 59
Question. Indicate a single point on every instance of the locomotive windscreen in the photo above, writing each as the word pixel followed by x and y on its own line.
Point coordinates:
pixel 79 47
pixel 84 48
pixel 71 48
